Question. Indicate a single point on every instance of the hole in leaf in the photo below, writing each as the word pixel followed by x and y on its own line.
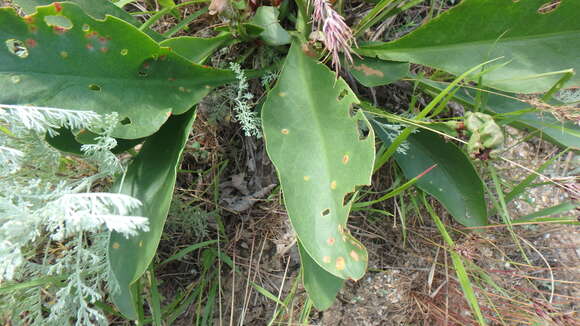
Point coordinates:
pixel 325 212
pixel 58 22
pixel 17 48
pixel 363 129
pixel 548 7
pixel 347 198
pixel 126 121
pixel 94 87
pixel 342 94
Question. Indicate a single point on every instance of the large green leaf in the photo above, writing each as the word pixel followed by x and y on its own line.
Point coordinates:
pixel 544 124
pixel 531 43
pixel 320 155
pixel 150 178
pixel 95 8
pixel 454 181
pixel 322 287
pixel 103 66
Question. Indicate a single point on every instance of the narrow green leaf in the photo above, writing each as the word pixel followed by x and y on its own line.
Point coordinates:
pixel 150 178
pixel 454 182
pixel 320 156
pixel 532 45
pixel 563 133
pixel 99 65
pixel 321 286
pixel 458 265
pixel 183 252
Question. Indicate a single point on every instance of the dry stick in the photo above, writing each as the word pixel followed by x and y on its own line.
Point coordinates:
pixel 233 288
pixel 246 295
pixel 547 264
pixel 219 275
pixel 257 269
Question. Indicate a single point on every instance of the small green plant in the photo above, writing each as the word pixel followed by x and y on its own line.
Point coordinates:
pixel 80 58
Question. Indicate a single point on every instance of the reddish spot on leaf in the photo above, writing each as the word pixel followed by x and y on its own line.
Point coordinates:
pixel 57 6
pixel 163 57
pixel 29 19
pixel 31 43
pixel 368 71
pixel 59 30
pixel 104 49
pixel 103 39
pixel 90 46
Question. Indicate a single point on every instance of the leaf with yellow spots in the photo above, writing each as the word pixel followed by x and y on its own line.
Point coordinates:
pixel 151 179
pixel 78 62
pixel 321 153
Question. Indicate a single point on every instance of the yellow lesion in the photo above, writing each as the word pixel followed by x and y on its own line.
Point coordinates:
pixel 345 159
pixel 285 131
pixel 330 241
pixel 306 178
pixel 354 255
pixel 333 185
pixel 340 263
pixel 116 245
pixel 326 259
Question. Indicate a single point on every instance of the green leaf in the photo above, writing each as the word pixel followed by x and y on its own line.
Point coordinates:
pixel 150 178
pixel 98 9
pixel 66 141
pixel 565 134
pixel 273 34
pixel 103 66
pixel 320 155
pixel 322 287
pixel 454 182
pixel 532 44
pixel 373 72
pixel 197 49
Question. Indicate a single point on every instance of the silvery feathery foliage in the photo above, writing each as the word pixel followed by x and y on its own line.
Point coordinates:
pixel 338 36
pixel 44 206
pixel 243 111
pixel 393 131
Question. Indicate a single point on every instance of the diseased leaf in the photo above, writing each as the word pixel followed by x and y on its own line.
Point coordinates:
pixel 320 155
pixel 103 66
pixel 373 72
pixel 475 31
pixel 150 178
pixel 322 287
pixel 98 9
pixel 453 182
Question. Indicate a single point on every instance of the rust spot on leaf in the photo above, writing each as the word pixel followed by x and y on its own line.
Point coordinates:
pixel 340 263
pixel 326 259
pixel 345 159
pixel 57 6
pixel 104 49
pixel 285 131
pixel 368 71
pixel 116 245
pixel 330 241
pixel 31 43
pixel 333 185
pixel 354 255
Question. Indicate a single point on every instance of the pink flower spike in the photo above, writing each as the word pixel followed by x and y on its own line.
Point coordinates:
pixel 337 35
